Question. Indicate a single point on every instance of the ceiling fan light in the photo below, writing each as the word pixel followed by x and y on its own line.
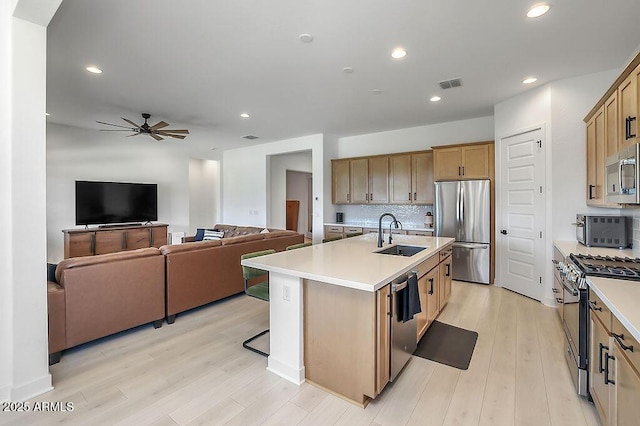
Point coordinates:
pixel 398 53
pixel 93 69
pixel 538 10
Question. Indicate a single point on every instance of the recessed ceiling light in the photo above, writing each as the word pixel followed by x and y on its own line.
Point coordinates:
pixel 538 10
pixel 529 80
pixel 305 38
pixel 398 53
pixel 244 115
pixel 376 91
pixel 435 98
pixel 347 70
pixel 94 70
pixel 47 114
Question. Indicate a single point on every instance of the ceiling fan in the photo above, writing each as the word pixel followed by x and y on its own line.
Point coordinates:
pixel 156 131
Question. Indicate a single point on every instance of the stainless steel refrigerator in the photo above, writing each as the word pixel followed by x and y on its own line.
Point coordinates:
pixel 463 212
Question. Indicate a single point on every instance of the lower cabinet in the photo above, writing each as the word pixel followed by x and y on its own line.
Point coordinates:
pixel 445 270
pixel 614 368
pixel 434 287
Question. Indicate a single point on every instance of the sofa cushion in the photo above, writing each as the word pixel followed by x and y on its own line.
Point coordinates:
pixel 242 239
pixel 279 233
pixel 212 234
pixel 75 262
pixel 197 245
pixel 200 233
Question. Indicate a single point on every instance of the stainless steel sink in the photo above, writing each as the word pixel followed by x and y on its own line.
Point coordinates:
pixel 400 250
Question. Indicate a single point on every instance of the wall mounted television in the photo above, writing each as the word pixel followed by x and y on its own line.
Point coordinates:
pixel 115 202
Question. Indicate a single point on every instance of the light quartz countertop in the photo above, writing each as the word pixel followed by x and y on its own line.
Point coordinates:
pixel 351 262
pixel 385 226
pixel 622 297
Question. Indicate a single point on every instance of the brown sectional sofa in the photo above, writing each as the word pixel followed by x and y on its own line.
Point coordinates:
pixel 96 296
pixel 198 273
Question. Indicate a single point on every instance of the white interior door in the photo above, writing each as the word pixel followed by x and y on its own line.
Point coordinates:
pixel 521 238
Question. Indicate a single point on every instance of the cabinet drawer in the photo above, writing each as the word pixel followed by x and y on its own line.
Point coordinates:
pixel 600 309
pixel 333 229
pixel 445 252
pixel 398 231
pixel 623 337
pixel 370 230
pixel 427 265
pixel 352 230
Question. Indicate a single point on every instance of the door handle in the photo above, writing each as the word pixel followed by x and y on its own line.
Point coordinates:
pixel 448 265
pixel 503 231
pixel 430 285
pixel 627 130
pixel 593 306
pixel 600 348
pixel 619 338
pixel 591 191
pixel 607 380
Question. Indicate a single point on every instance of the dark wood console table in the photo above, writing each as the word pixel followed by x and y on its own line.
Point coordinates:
pixel 89 242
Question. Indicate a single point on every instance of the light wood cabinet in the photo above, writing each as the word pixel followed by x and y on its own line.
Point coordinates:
pixel 628 118
pixel 383 327
pixel 469 161
pixel 626 395
pixel 432 287
pixel 598 358
pixel 444 270
pixel 395 179
pixel 340 181
pixel 400 190
pixel 596 156
pixel 611 128
pixel 89 242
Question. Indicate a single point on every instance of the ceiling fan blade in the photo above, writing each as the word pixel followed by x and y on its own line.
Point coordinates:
pixel 134 134
pixel 117 130
pixel 156 137
pixel 115 125
pixel 130 122
pixel 159 125
pixel 176 136
pixel 185 131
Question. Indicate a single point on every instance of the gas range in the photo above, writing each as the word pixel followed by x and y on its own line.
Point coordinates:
pixel 625 268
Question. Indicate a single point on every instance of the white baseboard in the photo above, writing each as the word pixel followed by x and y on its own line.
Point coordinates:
pixel 32 389
pixel 294 375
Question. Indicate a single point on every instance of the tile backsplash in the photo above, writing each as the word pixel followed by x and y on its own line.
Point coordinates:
pixel 635 233
pixel 369 213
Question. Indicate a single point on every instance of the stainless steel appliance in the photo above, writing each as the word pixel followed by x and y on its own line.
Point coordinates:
pixel 602 231
pixel 462 211
pixel 403 334
pixel 622 177
pixel 573 273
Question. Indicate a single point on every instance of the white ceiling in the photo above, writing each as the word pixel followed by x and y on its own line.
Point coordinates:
pixel 200 63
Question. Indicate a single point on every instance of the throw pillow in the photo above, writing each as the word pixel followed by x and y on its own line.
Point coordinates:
pixel 210 234
pixel 264 231
pixel 199 234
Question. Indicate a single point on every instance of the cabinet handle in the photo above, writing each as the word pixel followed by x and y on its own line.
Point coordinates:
pixel 462 170
pixel 600 348
pixel 409 196
pixel 555 290
pixel 430 285
pixel 150 237
pixel 459 169
pixel 448 265
pixel 591 191
pixel 593 306
pixel 366 196
pixel 607 380
pixel 627 129
pixel 415 196
pixel 348 197
pixel 93 243
pixel 559 301
pixel 619 338
pixel 371 196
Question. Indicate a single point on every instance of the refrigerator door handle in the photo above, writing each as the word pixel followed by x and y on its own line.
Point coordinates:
pixel 472 246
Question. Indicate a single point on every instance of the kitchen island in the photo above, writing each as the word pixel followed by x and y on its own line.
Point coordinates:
pixel 329 307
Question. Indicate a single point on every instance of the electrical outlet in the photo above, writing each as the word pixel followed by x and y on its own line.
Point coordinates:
pixel 286 293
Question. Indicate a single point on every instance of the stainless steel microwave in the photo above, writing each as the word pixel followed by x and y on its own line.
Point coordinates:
pixel 622 176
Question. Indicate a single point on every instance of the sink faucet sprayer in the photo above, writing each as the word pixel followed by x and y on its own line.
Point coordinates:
pixel 380 227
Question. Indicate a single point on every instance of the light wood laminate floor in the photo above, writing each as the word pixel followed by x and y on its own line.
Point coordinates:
pixel 196 372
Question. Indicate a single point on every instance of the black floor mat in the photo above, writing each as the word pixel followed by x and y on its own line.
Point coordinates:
pixel 447 345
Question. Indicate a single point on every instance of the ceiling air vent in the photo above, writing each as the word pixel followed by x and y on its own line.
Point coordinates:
pixel 450 84
pixel 250 137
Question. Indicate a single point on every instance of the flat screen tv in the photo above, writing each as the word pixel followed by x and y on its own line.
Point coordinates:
pixel 115 202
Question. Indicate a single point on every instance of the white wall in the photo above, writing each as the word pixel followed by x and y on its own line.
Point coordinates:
pixel 279 164
pixel 561 107
pixel 246 176
pixel 204 194
pixel 23 294
pixel 417 138
pixel 82 154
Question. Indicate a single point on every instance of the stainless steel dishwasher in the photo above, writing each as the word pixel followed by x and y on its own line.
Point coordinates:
pixel 403 334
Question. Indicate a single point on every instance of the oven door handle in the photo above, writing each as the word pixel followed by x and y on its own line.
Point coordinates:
pixel 573 291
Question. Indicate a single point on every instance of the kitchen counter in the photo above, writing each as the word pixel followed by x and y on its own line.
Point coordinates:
pixel 622 297
pixel 350 267
pixel 351 262
pixel 385 226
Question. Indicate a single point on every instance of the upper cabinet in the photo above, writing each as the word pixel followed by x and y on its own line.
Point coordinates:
pixel 469 161
pixel 394 179
pixel 628 118
pixel 611 126
pixel 360 180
